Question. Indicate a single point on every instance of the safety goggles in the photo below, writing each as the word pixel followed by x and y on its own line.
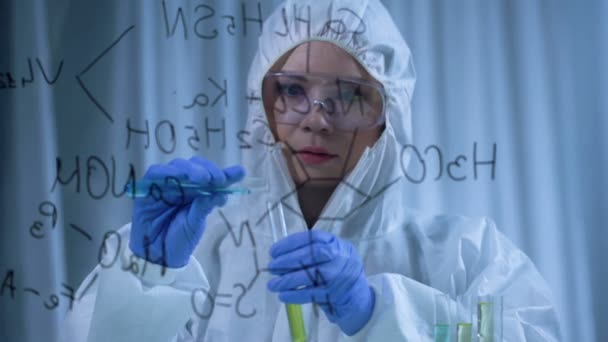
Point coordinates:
pixel 347 103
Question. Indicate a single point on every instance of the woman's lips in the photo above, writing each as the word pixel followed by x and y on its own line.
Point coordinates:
pixel 314 155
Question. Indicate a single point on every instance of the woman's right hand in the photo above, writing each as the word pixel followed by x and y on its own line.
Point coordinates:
pixel 166 231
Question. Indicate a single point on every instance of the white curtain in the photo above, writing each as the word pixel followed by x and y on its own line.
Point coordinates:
pixel 510 94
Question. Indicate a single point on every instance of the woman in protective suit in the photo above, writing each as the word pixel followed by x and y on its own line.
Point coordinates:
pixel 336 79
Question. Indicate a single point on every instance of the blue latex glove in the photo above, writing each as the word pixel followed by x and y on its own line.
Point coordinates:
pixel 318 267
pixel 166 231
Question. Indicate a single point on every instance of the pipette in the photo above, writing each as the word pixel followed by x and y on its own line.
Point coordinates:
pixel 294 311
pixel 176 187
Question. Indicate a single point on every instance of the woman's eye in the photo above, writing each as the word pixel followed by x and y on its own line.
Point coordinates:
pixel 290 90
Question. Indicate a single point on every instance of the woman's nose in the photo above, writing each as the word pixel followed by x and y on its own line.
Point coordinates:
pixel 316 120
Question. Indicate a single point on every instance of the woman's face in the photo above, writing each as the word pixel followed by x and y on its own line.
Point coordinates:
pixel 321 149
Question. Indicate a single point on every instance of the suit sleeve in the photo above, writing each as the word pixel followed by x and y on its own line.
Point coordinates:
pixel 127 299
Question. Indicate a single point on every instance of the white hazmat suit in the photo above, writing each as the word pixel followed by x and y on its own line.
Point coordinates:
pixel 409 257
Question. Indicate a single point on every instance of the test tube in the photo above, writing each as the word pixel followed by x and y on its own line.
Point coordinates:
pixel 485 321
pixel 441 330
pixel 489 318
pixel 294 311
pixel 464 327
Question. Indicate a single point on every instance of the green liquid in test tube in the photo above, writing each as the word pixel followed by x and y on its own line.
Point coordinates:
pixel 442 333
pixel 294 311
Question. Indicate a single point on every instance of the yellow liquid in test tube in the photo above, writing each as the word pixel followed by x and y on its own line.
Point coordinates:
pixel 485 322
pixel 296 322
pixel 464 332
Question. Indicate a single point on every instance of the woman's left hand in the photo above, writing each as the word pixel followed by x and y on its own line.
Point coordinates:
pixel 318 267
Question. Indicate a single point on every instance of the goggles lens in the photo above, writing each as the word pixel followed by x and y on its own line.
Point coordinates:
pixel 347 103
